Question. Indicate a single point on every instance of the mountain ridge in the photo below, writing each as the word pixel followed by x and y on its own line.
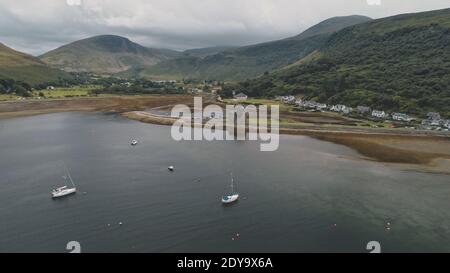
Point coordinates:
pixel 254 60
pixel 105 54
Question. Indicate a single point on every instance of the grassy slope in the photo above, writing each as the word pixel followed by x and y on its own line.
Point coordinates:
pixel 398 63
pixel 252 61
pixel 22 67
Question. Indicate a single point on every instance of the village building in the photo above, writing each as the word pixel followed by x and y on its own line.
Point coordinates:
pixel 288 99
pixel 433 120
pixel 196 91
pixel 401 117
pixel 447 123
pixel 311 104
pixel 341 109
pixel 240 97
pixel 363 110
pixel 379 114
pixel 433 116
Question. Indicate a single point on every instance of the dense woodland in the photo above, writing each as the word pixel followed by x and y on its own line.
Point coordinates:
pixel 401 64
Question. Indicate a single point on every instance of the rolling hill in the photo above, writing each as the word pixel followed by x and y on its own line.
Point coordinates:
pixel 251 61
pixel 399 63
pixel 105 54
pixel 22 67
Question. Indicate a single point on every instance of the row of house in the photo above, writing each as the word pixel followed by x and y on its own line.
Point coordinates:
pixel 164 82
pixel 434 120
pixel 311 105
pixel 344 109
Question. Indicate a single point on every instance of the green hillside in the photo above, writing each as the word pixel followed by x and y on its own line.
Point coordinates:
pixel 207 51
pixel 398 63
pixel 251 61
pixel 19 66
pixel 106 54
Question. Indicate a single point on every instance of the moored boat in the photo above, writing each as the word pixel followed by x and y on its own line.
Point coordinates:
pixel 233 196
pixel 64 191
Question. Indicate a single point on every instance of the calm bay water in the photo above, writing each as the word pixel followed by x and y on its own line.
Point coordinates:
pixel 309 196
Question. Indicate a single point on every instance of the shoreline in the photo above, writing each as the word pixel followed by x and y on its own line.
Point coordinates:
pixel 427 151
pixel 119 104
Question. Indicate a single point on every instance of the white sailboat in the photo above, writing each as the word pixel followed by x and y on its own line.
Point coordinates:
pixel 64 191
pixel 233 196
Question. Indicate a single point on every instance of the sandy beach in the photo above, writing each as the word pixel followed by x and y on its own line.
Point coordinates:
pixel 117 104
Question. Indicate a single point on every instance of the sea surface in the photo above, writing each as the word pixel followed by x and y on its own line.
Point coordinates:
pixel 309 196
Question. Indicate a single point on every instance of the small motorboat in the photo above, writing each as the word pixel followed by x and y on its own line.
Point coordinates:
pixel 134 142
pixel 171 168
pixel 64 191
pixel 233 196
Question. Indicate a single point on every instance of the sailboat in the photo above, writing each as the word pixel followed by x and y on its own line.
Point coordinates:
pixel 64 191
pixel 233 196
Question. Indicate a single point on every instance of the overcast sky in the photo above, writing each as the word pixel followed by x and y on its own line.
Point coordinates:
pixel 36 26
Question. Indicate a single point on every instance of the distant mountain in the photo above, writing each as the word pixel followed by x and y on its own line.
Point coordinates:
pixel 399 63
pixel 207 51
pixel 251 61
pixel 26 68
pixel 106 54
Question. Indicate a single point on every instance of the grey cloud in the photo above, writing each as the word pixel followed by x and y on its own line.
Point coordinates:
pixel 35 26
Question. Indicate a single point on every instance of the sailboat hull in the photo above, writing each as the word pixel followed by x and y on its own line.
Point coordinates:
pixel 230 199
pixel 63 193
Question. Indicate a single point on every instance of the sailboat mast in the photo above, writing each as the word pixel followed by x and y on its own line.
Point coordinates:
pixel 232 184
pixel 70 177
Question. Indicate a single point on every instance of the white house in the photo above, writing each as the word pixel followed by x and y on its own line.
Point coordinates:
pixel 447 123
pixel 362 110
pixel 433 116
pixel 341 108
pixel 379 114
pixel 288 99
pixel 240 97
pixel 299 102
pixel 401 117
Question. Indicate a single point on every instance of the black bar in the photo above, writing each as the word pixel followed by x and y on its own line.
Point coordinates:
pixel 226 262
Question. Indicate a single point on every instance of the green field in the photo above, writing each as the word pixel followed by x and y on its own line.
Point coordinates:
pixel 6 97
pixel 77 91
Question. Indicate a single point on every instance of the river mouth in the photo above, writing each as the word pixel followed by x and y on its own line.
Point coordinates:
pixel 309 196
